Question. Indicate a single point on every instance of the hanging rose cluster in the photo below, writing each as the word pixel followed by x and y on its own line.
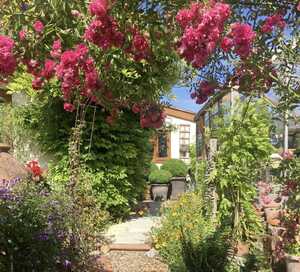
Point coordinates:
pixel 8 61
pixel 240 38
pixel 202 28
pixel 151 115
pixel 273 21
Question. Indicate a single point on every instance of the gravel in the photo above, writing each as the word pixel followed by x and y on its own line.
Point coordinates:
pixel 135 262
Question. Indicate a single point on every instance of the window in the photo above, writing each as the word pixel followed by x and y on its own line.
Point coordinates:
pixel 184 141
pixel 162 145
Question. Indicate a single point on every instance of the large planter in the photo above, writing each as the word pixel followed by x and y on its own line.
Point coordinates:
pixel 159 191
pixel 178 185
pixel 292 263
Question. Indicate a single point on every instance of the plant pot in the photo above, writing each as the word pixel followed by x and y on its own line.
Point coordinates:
pixel 178 185
pixel 292 263
pixel 159 191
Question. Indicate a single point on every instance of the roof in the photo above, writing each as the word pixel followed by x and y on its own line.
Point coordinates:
pixel 180 113
pixel 210 102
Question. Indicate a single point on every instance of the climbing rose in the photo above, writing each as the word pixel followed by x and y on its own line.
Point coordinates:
pixel 37 83
pixel 49 69
pixel 104 33
pixel 38 26
pixel 22 35
pixel 273 21
pixel 8 61
pixel 56 49
pixel 226 44
pixel 243 37
pixel 69 107
pixel 98 7
pixel 202 28
pixel 140 46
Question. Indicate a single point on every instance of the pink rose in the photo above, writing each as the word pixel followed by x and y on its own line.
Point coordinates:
pixel 38 26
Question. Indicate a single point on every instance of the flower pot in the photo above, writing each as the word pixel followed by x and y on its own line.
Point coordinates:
pixel 178 186
pixel 292 263
pixel 159 191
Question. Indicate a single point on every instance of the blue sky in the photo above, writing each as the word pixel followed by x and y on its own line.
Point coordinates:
pixel 182 99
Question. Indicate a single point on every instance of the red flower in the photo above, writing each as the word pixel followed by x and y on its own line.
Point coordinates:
pixel 49 69
pixel 38 26
pixel 22 35
pixel 56 49
pixel 271 22
pixel 226 44
pixel 69 107
pixel 37 83
pixel 98 7
pixel 8 61
pixel 35 168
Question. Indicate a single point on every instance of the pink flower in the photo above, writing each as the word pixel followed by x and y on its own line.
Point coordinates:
pixel 226 44
pixel 8 63
pixel 98 7
pixel 49 69
pixel 56 49
pixel 22 35
pixel 298 6
pixel 69 107
pixel 273 21
pixel 202 27
pixel 75 13
pixel 104 33
pixel 38 26
pixel 136 108
pixel 37 83
pixel 243 37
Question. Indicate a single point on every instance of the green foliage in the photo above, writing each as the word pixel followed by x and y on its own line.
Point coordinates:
pixel 160 176
pixel 238 164
pixel 37 230
pixel 187 240
pixel 153 167
pixel 122 150
pixel 176 167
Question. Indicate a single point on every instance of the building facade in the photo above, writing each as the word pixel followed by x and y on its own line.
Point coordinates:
pixel 174 142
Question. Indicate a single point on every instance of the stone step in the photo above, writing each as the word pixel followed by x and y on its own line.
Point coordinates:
pixel 129 247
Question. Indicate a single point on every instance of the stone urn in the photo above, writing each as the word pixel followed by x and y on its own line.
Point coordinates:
pixel 160 191
pixel 10 168
pixel 292 263
pixel 178 187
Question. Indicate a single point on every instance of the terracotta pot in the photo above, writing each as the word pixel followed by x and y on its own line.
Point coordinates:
pixel 178 186
pixel 159 191
pixel 242 249
pixel 292 263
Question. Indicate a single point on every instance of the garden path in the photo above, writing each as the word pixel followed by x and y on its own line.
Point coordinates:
pixel 133 231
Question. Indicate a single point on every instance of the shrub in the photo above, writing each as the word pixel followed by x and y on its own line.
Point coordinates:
pixel 160 176
pixel 153 167
pixel 40 232
pixel 187 240
pixel 176 167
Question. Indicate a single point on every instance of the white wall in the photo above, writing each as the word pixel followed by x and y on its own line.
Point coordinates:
pixel 175 143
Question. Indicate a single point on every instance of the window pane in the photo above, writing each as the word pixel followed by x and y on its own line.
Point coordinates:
pixel 162 146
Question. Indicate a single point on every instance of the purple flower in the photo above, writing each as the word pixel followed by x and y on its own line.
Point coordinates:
pixel 24 6
pixel 67 264
pixel 43 237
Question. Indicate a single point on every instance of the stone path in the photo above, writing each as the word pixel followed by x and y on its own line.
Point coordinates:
pixel 134 231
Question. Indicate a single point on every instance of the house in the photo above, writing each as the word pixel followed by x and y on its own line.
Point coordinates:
pixel 174 140
pixel 221 104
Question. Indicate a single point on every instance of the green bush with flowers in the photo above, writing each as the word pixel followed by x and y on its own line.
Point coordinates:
pixel 38 230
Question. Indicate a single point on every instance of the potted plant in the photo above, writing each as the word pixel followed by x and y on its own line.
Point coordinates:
pixel 159 180
pixel 178 170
